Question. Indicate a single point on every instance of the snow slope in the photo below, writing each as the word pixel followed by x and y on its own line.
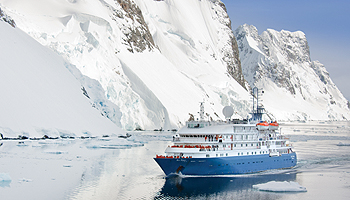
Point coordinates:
pixel 156 60
pixel 39 94
pixel 296 88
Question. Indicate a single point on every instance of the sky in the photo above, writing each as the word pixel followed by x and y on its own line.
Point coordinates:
pixel 326 24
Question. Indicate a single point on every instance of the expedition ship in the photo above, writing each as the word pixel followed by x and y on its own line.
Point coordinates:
pixel 223 148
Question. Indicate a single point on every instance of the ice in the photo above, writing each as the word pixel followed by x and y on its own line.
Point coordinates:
pixel 54 151
pixel 24 180
pixel 285 186
pixel 4 177
pixel 48 99
pixel 343 144
pixel 113 143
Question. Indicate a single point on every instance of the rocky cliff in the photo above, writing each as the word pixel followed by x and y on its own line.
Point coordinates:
pixel 280 63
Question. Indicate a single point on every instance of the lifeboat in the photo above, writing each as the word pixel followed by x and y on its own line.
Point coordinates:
pixel 273 126
pixel 262 126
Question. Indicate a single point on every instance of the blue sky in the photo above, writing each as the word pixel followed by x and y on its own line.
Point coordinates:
pixel 325 23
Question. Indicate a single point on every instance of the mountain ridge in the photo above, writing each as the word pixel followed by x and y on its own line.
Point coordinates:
pixel 283 58
pixel 155 60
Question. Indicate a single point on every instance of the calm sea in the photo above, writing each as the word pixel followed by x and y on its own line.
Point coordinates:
pixel 323 168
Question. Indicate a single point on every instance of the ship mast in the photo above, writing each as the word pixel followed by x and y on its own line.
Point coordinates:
pixel 201 111
pixel 257 111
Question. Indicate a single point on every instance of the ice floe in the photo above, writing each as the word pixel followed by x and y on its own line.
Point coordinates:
pixel 54 151
pixel 4 177
pixel 343 144
pixel 274 186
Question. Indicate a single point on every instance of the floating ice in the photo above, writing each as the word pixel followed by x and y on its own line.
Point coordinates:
pixel 343 144
pixel 113 143
pixel 23 180
pixel 22 144
pixel 53 151
pixel 285 186
pixel 4 177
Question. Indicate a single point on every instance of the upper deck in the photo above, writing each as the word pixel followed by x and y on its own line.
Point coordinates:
pixel 215 128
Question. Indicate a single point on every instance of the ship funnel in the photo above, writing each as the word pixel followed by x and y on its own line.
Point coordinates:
pixel 227 111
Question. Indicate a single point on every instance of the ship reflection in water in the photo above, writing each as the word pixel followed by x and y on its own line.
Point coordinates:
pixel 216 186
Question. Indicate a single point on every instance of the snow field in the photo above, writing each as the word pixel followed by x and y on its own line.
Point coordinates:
pixel 40 94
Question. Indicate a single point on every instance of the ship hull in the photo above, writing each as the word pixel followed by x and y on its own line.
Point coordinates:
pixel 226 165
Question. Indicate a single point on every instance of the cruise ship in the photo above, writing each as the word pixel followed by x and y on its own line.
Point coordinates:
pixel 227 147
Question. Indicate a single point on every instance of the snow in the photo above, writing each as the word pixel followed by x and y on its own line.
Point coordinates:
pixel 153 89
pixel 184 63
pixel 40 95
pixel 295 88
pixel 285 186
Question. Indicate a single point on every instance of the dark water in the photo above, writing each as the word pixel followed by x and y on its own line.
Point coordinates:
pixel 323 168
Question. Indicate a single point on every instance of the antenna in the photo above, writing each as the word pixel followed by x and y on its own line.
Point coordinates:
pixel 257 109
pixel 227 111
pixel 201 111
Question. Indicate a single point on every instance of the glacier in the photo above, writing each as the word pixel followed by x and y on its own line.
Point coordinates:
pixel 42 94
pixel 147 64
pixel 153 68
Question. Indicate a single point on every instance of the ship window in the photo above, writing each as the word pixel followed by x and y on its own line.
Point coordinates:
pixel 251 144
pixel 226 154
pixel 235 145
pixel 207 155
pixel 238 153
pixel 246 145
pixel 221 154
pixel 217 155
pixel 247 153
pixel 241 145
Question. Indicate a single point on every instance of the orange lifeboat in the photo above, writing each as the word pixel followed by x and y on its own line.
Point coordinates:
pixel 263 125
pixel 273 126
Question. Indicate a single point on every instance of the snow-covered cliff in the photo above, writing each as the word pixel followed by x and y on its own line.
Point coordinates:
pixel 156 60
pixel 41 94
pixel 296 88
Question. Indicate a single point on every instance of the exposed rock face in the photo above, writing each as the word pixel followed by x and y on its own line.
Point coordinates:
pixel 280 62
pixel 272 55
pixel 4 17
pixel 137 35
pixel 230 50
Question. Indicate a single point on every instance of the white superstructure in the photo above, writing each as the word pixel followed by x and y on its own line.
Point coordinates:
pixel 199 139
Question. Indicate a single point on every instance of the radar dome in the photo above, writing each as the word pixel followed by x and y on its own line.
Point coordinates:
pixel 227 111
